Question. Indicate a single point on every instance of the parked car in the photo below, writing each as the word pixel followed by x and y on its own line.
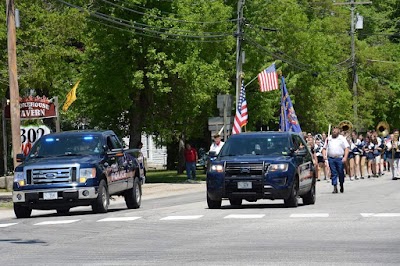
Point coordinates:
pixel 262 165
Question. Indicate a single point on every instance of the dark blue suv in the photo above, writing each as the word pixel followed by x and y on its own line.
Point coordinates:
pixel 262 165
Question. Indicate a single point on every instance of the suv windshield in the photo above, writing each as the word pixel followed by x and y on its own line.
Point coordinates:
pixel 260 145
pixel 49 146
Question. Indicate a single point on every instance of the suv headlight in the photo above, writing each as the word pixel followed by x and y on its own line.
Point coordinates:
pixel 281 167
pixel 217 168
pixel 86 173
pixel 20 178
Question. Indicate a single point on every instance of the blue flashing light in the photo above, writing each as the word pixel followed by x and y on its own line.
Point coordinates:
pixel 49 140
pixel 88 138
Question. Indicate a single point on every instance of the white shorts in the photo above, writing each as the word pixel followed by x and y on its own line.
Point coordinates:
pixel 378 159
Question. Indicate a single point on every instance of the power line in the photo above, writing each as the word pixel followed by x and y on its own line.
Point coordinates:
pixel 297 66
pixel 153 36
pixel 144 29
pixel 166 18
pixel 155 27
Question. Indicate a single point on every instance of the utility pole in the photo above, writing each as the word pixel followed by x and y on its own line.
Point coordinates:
pixel 239 59
pixel 13 80
pixel 353 4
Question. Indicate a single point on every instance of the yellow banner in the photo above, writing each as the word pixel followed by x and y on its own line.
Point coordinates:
pixel 71 97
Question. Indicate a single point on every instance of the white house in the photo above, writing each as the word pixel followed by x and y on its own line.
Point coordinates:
pixel 155 156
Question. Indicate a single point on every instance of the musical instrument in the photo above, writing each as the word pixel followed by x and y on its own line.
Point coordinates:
pixel 383 129
pixel 346 126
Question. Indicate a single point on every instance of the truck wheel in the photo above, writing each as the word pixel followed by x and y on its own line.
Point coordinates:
pixel 236 202
pixel 22 211
pixel 309 198
pixel 133 196
pixel 63 211
pixel 100 205
pixel 292 201
pixel 213 204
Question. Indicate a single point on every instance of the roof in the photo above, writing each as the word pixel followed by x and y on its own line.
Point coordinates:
pixel 265 133
pixel 82 132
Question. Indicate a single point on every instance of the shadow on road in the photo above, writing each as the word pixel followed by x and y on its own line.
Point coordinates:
pixel 257 206
pixel 73 213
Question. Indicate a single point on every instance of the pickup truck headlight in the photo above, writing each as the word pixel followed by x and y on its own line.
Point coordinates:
pixel 20 178
pixel 280 167
pixel 86 173
pixel 217 168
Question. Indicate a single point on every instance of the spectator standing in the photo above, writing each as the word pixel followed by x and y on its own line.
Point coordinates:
pixel 336 150
pixel 191 158
pixel 217 145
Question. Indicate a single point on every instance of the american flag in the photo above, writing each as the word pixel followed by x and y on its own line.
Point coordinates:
pixel 268 79
pixel 241 112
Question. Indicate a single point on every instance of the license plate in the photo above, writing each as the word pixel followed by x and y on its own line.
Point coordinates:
pixel 49 195
pixel 245 185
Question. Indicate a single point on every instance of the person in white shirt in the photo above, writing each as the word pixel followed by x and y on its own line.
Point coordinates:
pixel 336 150
pixel 217 145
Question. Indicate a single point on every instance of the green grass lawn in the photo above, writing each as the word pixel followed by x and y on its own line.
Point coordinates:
pixel 166 176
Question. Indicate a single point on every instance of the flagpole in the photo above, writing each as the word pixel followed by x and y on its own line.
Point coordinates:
pixel 239 36
pixel 251 81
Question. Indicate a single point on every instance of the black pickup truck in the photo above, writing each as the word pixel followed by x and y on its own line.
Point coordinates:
pixel 262 165
pixel 76 168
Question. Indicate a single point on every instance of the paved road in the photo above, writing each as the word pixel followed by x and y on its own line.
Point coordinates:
pixel 361 226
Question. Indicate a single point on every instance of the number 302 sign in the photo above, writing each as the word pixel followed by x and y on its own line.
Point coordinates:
pixel 30 134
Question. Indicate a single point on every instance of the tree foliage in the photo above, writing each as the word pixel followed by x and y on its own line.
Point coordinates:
pixel 155 67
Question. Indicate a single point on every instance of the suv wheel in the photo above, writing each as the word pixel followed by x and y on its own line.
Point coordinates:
pixel 292 201
pixel 100 205
pixel 133 196
pixel 235 202
pixel 22 211
pixel 309 198
pixel 213 204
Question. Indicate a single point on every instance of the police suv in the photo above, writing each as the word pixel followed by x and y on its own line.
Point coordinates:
pixel 262 165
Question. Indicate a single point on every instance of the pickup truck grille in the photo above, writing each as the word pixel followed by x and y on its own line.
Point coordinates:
pixel 52 175
pixel 245 169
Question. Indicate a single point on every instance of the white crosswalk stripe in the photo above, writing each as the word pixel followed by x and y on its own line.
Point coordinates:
pixel 118 219
pixel 366 215
pixel 7 225
pixel 309 215
pixel 244 216
pixel 186 217
pixel 57 222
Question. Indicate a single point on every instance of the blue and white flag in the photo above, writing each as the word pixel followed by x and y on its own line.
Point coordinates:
pixel 288 119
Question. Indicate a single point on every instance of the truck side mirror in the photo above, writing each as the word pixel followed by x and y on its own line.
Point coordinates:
pixel 20 157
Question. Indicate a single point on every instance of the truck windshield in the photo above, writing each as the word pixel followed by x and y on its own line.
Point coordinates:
pixel 262 145
pixel 49 146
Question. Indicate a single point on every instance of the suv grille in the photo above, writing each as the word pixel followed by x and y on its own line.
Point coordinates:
pixel 52 175
pixel 245 169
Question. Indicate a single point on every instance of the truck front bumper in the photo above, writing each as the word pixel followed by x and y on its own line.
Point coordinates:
pixel 28 196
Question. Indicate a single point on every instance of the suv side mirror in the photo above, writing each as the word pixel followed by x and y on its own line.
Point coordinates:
pixel 212 154
pixel 302 152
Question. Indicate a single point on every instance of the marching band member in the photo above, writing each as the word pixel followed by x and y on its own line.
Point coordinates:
pixel 355 161
pixel 369 153
pixel 320 159
pixel 393 153
pixel 363 155
pixel 377 154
